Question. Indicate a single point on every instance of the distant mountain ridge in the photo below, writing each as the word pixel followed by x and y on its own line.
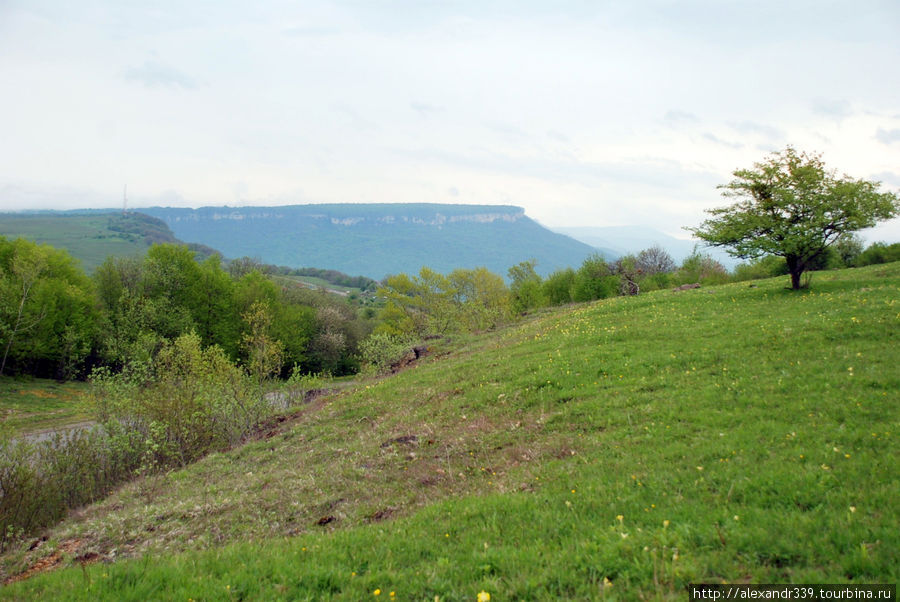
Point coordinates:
pixel 376 240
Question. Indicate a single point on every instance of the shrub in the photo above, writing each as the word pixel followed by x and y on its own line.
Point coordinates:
pixel 380 351
pixel 700 267
pixel 879 252
pixel 189 401
pixel 656 281
pixel 559 286
pixel 156 413
pixel 40 482
pixel 526 287
pixel 594 280
pixel 298 386
pixel 764 267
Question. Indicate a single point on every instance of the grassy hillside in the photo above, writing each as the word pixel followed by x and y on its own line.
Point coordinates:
pixel 91 236
pixel 621 449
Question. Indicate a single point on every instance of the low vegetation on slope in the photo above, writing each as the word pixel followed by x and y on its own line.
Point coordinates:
pixel 623 449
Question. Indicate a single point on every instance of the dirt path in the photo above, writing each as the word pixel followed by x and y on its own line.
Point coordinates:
pixel 45 434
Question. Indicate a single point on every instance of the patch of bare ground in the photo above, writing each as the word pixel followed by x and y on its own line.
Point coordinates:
pixel 55 559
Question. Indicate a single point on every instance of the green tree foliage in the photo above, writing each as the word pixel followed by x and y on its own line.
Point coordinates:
pixel 264 353
pixel 188 400
pixel 879 252
pixel 48 314
pixel 294 324
pixel 171 278
pixel 595 279
pixel 169 294
pixel 381 350
pixel 133 322
pixel 762 267
pixel 700 268
pixel 215 313
pixel 525 287
pixel 559 287
pixel 847 250
pixel 431 303
pixel 480 299
pixel 789 205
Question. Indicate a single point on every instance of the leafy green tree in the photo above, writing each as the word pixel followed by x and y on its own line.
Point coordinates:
pixel 436 293
pixel 264 352
pixel 254 287
pixel 559 287
pixel 171 279
pixel 595 279
pixel 216 314
pixel 847 249
pixel 789 205
pixel 295 326
pixel 480 298
pixel 419 305
pixel 23 269
pixel 526 287
pixel 48 311
pixel 114 277
pixel 879 252
pixel 404 310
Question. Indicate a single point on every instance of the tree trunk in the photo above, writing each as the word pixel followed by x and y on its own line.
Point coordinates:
pixel 15 329
pixel 795 268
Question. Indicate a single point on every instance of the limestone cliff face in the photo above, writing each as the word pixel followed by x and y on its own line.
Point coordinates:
pixel 375 240
pixel 338 215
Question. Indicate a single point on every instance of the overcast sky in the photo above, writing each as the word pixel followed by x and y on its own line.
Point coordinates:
pixel 585 113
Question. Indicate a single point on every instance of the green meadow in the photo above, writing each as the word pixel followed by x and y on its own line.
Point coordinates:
pixel 37 404
pixel 616 450
pixel 87 237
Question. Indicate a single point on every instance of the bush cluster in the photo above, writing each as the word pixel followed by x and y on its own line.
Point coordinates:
pixel 381 351
pixel 154 415
pixel 41 481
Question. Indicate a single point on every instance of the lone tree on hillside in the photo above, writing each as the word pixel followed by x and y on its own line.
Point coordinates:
pixel 789 205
